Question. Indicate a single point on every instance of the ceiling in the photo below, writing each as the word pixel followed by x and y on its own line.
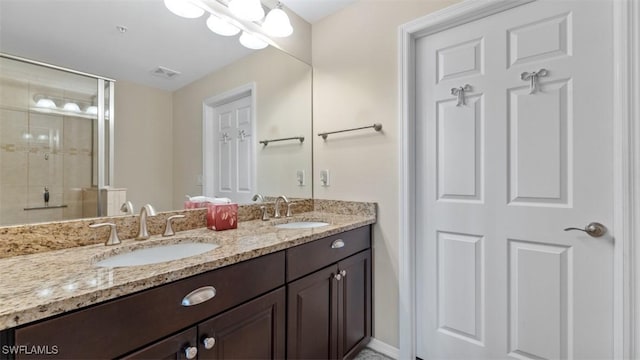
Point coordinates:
pixel 83 35
pixel 314 10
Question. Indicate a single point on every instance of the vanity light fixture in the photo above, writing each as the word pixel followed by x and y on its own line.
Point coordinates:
pixel 231 22
pixel 250 10
pixel 277 22
pixel 71 106
pixel 184 8
pixel 251 41
pixel 92 110
pixel 46 103
pixel 221 27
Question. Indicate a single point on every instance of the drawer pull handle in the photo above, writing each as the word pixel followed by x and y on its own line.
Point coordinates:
pixel 199 296
pixel 191 352
pixel 337 244
pixel 209 343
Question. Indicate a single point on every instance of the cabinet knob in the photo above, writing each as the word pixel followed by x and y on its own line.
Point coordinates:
pixel 343 273
pixel 191 352
pixel 208 343
pixel 337 277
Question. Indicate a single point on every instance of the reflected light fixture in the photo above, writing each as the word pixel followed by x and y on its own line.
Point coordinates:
pixel 277 23
pixel 251 41
pixel 71 106
pixel 46 103
pixel 250 10
pixel 92 110
pixel 184 8
pixel 221 27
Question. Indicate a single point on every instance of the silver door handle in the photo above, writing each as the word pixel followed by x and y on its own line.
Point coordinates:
pixel 199 296
pixel 337 244
pixel 594 229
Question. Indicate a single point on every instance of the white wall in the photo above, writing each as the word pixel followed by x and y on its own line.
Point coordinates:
pixel 143 144
pixel 356 84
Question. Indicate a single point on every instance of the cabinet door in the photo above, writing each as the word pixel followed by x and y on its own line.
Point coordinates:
pixel 312 316
pixel 254 330
pixel 354 309
pixel 174 347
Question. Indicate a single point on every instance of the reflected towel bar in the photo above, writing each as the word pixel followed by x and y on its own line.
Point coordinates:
pixel 299 138
pixel 376 127
pixel 45 207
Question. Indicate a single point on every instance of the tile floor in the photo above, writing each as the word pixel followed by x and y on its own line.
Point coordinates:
pixel 368 354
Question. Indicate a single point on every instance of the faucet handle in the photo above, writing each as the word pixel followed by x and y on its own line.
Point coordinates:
pixel 289 214
pixel 265 217
pixel 168 229
pixel 113 234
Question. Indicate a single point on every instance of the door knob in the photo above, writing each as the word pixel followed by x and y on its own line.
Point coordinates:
pixel 594 229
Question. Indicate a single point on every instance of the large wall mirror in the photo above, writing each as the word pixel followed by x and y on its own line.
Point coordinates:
pixel 219 109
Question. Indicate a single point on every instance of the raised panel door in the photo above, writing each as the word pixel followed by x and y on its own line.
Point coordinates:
pixel 255 330
pixel 313 316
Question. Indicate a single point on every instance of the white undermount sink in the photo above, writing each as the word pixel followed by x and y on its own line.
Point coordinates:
pixel 302 225
pixel 156 254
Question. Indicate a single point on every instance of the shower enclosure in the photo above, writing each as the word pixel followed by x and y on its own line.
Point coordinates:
pixel 56 142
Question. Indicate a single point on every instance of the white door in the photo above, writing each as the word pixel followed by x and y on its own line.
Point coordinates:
pixel 502 171
pixel 229 163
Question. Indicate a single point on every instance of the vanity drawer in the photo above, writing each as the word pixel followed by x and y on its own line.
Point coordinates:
pixel 306 258
pixel 114 328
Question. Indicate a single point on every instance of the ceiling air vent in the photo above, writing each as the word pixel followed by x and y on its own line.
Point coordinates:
pixel 164 72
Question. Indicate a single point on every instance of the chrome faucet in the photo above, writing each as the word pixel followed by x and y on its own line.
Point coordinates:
pixel 263 208
pixel 143 232
pixel 277 206
pixel 127 207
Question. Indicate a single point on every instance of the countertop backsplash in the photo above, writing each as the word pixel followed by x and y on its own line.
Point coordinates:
pixel 36 238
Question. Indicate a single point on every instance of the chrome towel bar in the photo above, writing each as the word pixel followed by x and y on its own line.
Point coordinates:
pixel 376 127
pixel 299 138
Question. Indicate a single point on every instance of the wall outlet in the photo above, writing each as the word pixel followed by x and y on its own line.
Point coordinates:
pixel 300 177
pixel 324 177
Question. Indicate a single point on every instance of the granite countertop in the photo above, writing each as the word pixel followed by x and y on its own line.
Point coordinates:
pixel 37 286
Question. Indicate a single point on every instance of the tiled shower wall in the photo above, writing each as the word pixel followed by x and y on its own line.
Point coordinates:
pixel 39 150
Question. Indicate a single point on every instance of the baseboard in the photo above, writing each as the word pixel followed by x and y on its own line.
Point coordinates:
pixel 384 348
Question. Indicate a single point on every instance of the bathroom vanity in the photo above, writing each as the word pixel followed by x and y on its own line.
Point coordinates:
pixel 263 293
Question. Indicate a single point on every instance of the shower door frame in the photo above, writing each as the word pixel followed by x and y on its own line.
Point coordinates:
pixel 103 180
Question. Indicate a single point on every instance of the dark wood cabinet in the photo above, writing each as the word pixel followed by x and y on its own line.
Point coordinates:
pixel 254 330
pixel 329 310
pixel 312 301
pixel 117 327
pixel 173 348
pixel 354 310
pixel 312 314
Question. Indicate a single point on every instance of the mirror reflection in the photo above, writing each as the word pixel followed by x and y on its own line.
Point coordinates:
pixel 169 140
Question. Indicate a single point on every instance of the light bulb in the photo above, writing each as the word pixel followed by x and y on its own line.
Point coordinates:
pixel 277 23
pixel 46 103
pixel 92 110
pixel 70 106
pixel 184 8
pixel 252 42
pixel 221 27
pixel 250 10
